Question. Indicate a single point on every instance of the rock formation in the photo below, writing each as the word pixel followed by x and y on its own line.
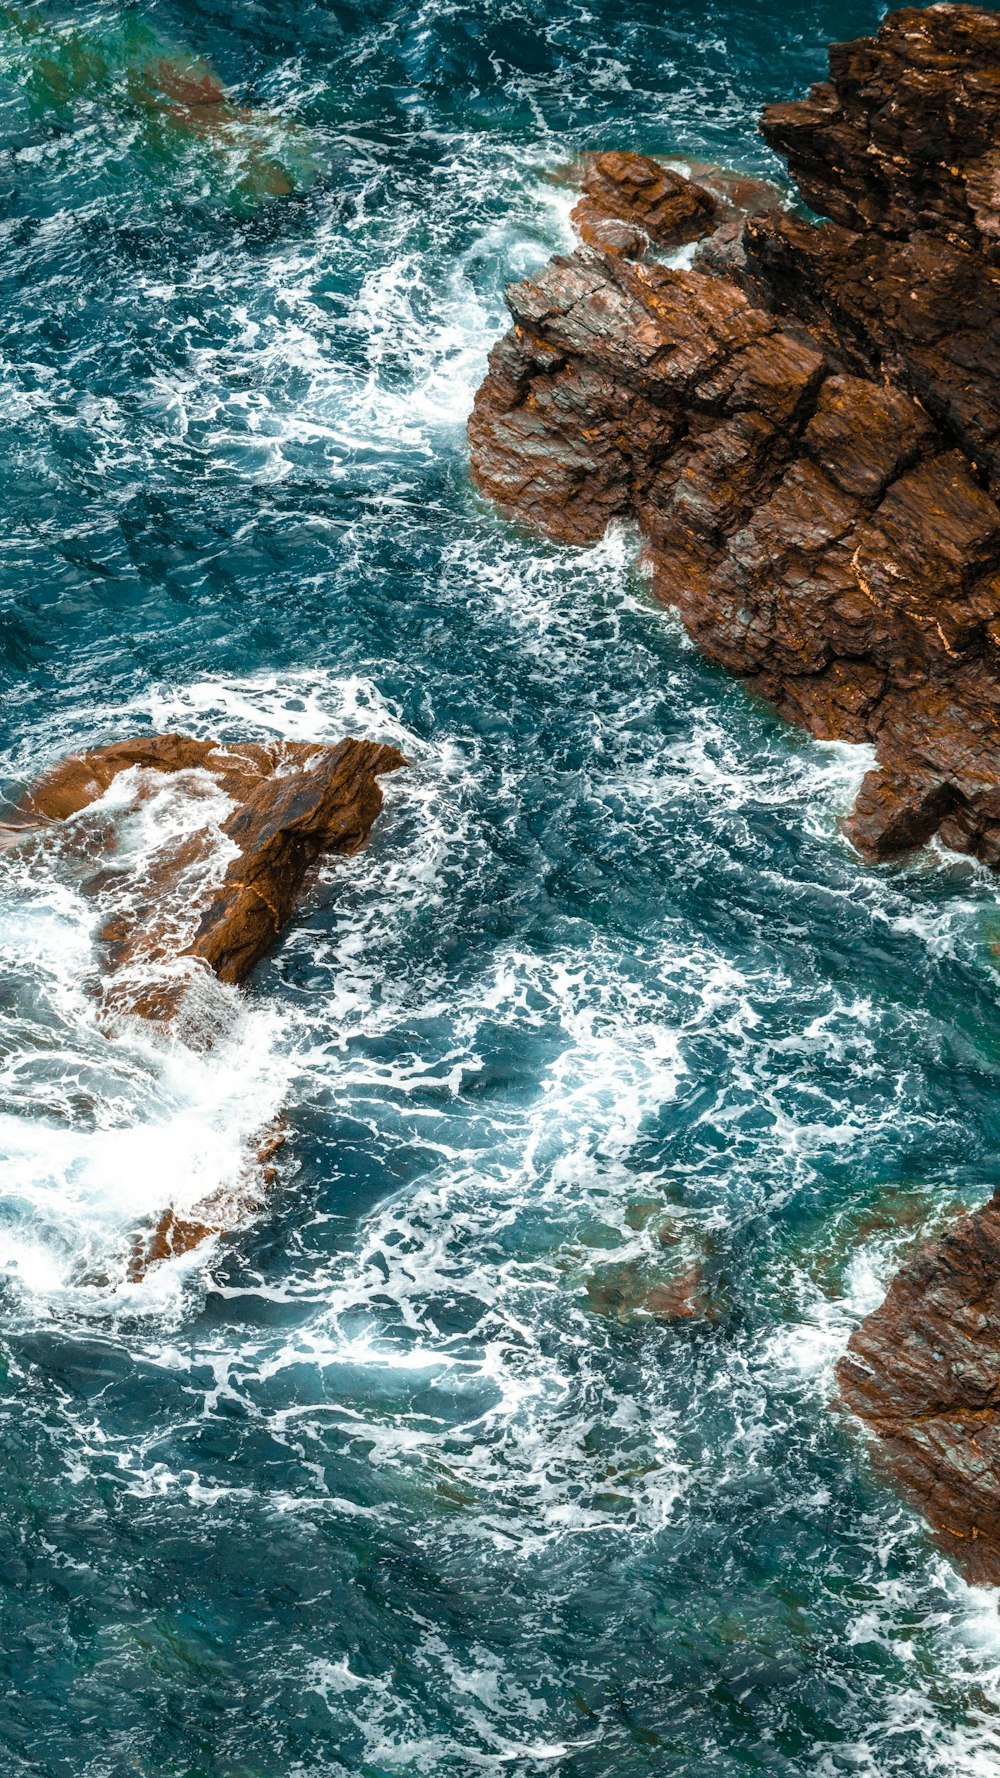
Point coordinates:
pixel 804 431
pixel 922 1371
pixel 630 203
pixel 212 898
pixel 293 800
pixel 805 427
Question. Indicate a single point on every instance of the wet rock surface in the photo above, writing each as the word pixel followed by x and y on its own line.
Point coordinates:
pixel 804 431
pixel 805 426
pixel 212 898
pixel 905 134
pixel 923 1372
pixel 292 802
pixel 630 202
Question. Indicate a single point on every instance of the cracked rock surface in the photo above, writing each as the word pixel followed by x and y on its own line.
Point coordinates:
pixel 922 1372
pixel 805 426
pixel 807 432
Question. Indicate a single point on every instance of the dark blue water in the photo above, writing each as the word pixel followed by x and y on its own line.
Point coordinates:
pixel 405 1478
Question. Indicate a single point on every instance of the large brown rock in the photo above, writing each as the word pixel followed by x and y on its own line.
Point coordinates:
pixel 809 441
pixel 923 1372
pixel 924 312
pixel 905 134
pixel 816 531
pixel 805 427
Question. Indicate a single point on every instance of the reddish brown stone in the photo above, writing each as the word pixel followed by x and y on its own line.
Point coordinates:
pixel 281 829
pixel 923 1371
pixel 903 136
pixel 806 429
pixel 629 200
pixel 219 1214
pixel 808 476
pixel 173 1236
pixel 293 801
pixel 83 777
pixel 168 936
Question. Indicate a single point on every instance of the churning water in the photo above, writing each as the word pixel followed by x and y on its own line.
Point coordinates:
pixel 406 1478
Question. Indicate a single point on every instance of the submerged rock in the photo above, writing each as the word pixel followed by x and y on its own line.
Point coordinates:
pixel 211 899
pixel 672 1281
pixel 629 1290
pixel 805 439
pixel 172 99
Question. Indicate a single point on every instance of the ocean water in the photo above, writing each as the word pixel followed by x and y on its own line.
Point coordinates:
pixel 407 1476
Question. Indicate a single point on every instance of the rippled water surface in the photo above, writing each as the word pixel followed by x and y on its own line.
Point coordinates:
pixel 406 1478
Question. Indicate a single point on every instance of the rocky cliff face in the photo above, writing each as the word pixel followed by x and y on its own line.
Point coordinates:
pixel 805 426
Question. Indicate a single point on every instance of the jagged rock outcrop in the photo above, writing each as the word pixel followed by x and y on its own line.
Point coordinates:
pixel 630 202
pixel 211 899
pixel 905 134
pixel 924 1372
pixel 808 441
pixel 805 427
pixel 292 801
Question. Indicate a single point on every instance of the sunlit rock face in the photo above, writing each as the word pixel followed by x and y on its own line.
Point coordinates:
pixel 805 426
pixel 807 446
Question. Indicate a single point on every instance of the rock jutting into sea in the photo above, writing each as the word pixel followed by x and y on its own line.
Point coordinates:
pixel 804 424
pixel 215 892
pixel 922 1371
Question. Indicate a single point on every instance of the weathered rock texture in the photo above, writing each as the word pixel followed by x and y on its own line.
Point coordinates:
pixel 212 898
pixel 293 800
pixel 905 134
pixel 805 426
pixel 630 202
pixel 808 434
pixel 923 1372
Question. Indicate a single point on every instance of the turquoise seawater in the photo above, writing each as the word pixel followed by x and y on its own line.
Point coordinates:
pixel 404 1479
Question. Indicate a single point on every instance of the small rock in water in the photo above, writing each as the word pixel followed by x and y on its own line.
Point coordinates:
pixel 629 200
pixel 172 96
pixel 187 921
pixel 293 801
